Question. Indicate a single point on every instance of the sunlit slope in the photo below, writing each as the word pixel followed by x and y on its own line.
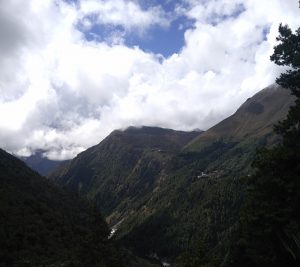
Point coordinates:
pixel 254 119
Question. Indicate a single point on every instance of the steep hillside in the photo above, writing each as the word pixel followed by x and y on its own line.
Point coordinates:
pixel 232 143
pixel 122 171
pixel 42 225
pixel 172 200
pixel 254 119
pixel 40 163
pixel 198 202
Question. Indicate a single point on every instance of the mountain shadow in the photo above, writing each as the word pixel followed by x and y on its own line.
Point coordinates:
pixel 43 225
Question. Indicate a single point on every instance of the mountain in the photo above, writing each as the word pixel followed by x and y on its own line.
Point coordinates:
pixel 232 143
pixel 254 119
pixel 43 225
pixel 198 203
pixel 40 163
pixel 121 172
pixel 172 200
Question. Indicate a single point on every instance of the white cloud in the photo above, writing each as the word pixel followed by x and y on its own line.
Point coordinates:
pixel 62 93
pixel 127 14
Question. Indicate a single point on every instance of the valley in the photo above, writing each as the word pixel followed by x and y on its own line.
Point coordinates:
pixel 168 192
pixel 149 133
pixel 168 197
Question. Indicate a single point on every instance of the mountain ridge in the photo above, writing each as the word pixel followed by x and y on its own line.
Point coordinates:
pixel 179 195
pixel 117 162
pixel 254 118
pixel 44 225
pixel 40 223
pixel 40 163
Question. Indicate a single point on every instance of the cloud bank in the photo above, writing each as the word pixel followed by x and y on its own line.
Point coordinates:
pixel 63 92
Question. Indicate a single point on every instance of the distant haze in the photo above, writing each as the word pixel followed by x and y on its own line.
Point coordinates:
pixel 73 71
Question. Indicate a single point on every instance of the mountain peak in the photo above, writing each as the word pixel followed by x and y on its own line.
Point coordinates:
pixel 254 118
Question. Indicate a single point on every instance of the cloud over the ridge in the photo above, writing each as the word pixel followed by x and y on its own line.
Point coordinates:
pixel 62 93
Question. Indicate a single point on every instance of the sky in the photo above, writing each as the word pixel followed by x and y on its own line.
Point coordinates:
pixel 72 71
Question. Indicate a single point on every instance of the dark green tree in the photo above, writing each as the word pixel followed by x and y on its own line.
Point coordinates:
pixel 269 233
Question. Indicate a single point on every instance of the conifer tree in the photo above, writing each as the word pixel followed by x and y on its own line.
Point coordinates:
pixel 270 219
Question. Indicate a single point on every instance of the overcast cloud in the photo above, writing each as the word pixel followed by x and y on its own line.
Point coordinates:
pixel 63 93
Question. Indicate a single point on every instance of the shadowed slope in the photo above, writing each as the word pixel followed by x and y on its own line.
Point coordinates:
pixel 43 225
pixel 41 164
pixel 121 172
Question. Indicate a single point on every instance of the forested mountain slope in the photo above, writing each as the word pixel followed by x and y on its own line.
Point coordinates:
pixel 42 225
pixel 232 143
pixel 198 203
pixel 172 200
pixel 122 171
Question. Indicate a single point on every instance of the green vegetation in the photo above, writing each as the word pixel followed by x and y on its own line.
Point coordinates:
pixel 269 233
pixel 169 193
pixel 178 196
pixel 191 208
pixel 42 225
pixel 122 171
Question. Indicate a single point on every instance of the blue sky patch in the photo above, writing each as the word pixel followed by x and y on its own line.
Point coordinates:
pixel 163 41
pixel 156 39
